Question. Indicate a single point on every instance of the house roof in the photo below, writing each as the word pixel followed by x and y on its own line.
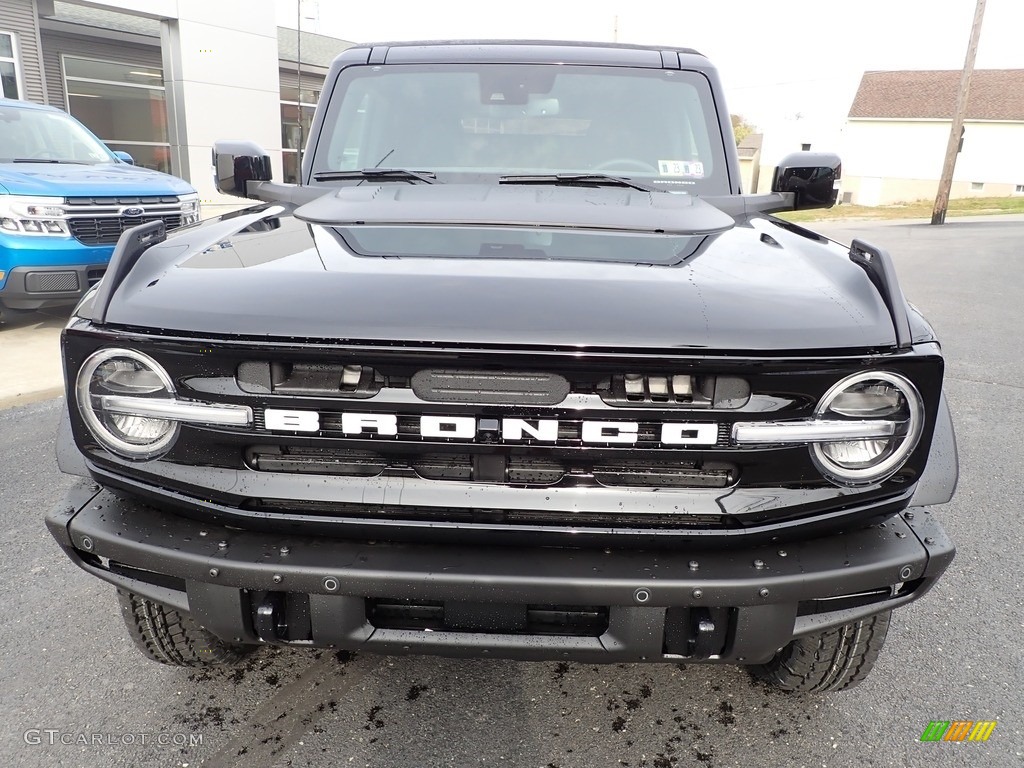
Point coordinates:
pixel 750 145
pixel 996 94
pixel 318 50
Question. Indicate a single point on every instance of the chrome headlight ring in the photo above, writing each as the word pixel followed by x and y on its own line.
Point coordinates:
pixel 125 372
pixel 867 461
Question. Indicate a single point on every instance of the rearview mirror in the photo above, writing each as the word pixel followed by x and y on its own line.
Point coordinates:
pixel 812 177
pixel 124 157
pixel 236 163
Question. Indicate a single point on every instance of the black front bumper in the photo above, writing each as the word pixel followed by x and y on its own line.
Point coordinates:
pixel 737 604
pixel 29 288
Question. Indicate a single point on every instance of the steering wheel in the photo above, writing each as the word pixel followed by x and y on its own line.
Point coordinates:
pixel 626 164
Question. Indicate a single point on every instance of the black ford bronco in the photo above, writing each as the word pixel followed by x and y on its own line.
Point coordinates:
pixel 517 370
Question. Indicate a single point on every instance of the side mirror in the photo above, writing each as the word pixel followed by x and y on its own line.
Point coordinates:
pixel 124 157
pixel 236 163
pixel 812 177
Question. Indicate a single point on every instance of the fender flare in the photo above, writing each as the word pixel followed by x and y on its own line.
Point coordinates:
pixel 939 480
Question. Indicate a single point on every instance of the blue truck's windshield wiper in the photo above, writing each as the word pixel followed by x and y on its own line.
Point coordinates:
pixel 384 174
pixel 46 160
pixel 578 179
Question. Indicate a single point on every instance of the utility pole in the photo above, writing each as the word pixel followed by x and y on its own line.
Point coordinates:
pixel 956 129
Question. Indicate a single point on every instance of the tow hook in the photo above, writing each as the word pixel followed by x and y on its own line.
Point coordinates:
pixel 269 621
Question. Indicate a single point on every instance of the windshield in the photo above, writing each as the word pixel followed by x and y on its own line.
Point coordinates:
pixel 44 136
pixel 476 120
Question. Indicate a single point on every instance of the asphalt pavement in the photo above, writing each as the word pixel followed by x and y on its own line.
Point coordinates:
pixel 75 692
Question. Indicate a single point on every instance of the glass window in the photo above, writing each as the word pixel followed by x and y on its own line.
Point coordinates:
pixel 116 113
pixel 297 108
pixel 486 119
pixel 90 69
pixel 123 104
pixel 291 93
pixel 295 123
pixel 9 88
pixel 155 156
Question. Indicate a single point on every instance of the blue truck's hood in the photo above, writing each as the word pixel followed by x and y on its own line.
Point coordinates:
pixel 68 180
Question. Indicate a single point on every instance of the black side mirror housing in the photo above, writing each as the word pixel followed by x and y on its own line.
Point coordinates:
pixel 236 164
pixel 812 178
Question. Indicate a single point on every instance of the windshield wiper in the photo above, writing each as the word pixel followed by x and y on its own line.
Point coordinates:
pixel 385 174
pixel 578 180
pixel 46 160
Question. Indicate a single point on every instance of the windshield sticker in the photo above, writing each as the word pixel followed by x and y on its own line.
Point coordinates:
pixel 693 169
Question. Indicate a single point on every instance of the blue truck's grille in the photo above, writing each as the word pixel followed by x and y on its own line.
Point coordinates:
pixel 106 230
pixel 101 220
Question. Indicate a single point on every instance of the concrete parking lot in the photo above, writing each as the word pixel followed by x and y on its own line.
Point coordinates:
pixel 30 357
pixel 75 692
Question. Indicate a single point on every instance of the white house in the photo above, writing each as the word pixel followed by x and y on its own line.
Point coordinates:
pixel 898 128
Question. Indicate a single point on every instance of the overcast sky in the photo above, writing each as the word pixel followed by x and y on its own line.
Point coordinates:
pixel 780 60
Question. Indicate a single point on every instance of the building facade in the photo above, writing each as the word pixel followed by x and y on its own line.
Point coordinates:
pixel 163 79
pixel 898 129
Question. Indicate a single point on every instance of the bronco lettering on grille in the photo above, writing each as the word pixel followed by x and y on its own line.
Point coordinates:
pixel 510 430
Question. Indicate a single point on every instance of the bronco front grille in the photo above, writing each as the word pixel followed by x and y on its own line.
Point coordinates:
pixel 521 468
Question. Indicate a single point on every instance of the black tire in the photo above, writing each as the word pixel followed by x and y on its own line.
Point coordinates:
pixel 169 637
pixel 833 660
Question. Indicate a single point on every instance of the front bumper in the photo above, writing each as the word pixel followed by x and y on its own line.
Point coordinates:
pixel 30 288
pixel 737 604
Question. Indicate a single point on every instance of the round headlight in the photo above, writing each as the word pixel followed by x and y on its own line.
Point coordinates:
pixel 874 396
pixel 111 374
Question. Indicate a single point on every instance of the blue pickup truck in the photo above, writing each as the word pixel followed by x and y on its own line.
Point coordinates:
pixel 65 199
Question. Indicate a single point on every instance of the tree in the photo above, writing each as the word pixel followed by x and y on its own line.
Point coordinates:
pixel 741 128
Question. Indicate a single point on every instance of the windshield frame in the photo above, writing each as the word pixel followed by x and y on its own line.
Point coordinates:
pixel 718 182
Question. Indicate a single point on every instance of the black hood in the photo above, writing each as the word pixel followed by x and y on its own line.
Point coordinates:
pixel 755 286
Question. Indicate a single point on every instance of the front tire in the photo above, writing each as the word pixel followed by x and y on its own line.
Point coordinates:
pixel 169 637
pixel 833 660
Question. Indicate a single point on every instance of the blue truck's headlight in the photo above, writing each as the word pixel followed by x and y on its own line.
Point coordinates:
pixel 190 211
pixel 33 216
